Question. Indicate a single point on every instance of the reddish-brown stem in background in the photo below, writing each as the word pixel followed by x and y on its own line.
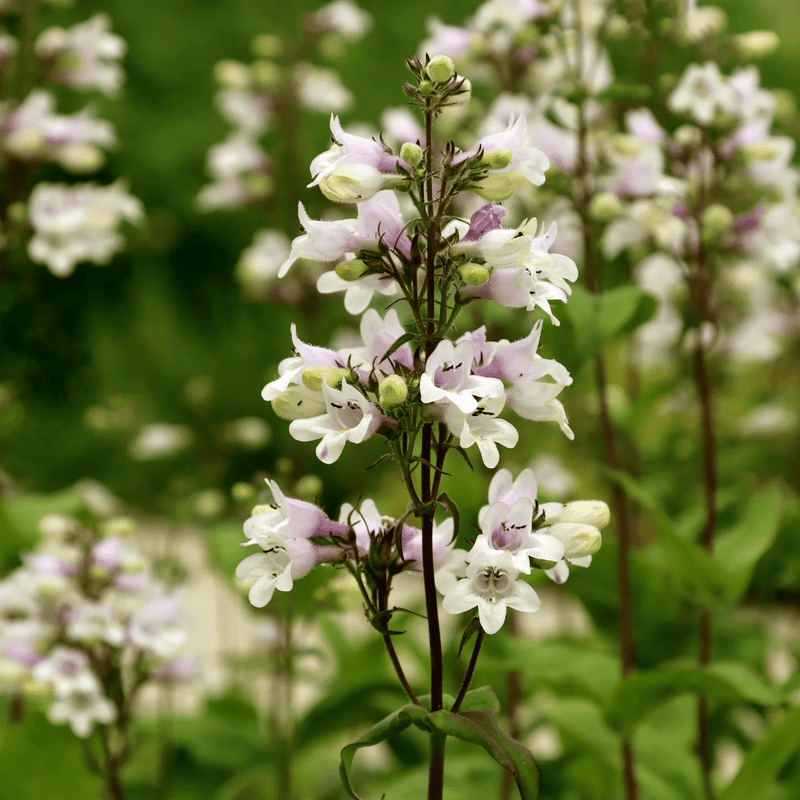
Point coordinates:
pixel 513 699
pixel 618 500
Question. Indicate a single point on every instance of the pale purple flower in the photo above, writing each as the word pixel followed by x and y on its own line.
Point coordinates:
pixel 92 621
pixel 350 417
pixel 68 671
pixel 81 710
pixel 159 626
pixel 482 427
pixel 486 218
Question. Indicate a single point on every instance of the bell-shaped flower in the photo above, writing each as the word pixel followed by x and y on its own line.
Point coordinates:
pixel 365 522
pixel 505 489
pixel 354 183
pixel 67 670
pixel 91 622
pixel 507 150
pixel 159 626
pixel 350 417
pixel 81 709
pixel 358 294
pixel 482 427
pixel 448 378
pixel 379 334
pixel 702 93
pixel 509 528
pixel 491 584
pixel 536 400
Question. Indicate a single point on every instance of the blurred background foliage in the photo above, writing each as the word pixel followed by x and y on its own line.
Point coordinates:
pixel 163 334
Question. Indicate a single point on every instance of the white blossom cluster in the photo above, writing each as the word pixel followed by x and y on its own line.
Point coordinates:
pixel 516 533
pixel 381 384
pixel 62 225
pixel 268 93
pixel 89 626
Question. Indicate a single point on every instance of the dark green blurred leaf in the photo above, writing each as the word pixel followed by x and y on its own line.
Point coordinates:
pixel 641 693
pixel 739 550
pixel 766 759
pixel 481 699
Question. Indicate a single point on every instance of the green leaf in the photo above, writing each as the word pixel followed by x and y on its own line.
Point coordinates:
pixel 641 693
pixel 481 699
pixel 598 319
pixel 472 627
pixel 738 551
pixel 480 728
pixel 697 570
pixel 395 723
pixel 766 759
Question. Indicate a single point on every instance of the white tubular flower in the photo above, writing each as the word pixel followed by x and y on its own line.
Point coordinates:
pixel 357 294
pixel 504 489
pixel 159 626
pixel 448 378
pixel 491 585
pixel 702 92
pixel 90 622
pixel 286 517
pixel 321 89
pixel 509 529
pixel 579 540
pixel 159 440
pixel 482 427
pixel 67 670
pixel 350 418
pixel 536 400
pixel 344 18
pixel 81 709
pixel 86 56
pixel 266 572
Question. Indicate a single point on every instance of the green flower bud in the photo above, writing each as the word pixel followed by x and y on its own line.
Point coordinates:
pixel 440 69
pixel 313 377
pixel 756 44
pixel 351 270
pixel 266 74
pixel 425 88
pixel 17 212
pixel 232 74
pixel 626 145
pixel 763 151
pixel 474 274
pixel 241 491
pixel 497 159
pixel 496 187
pixel 411 154
pixel 392 392
pixel 579 540
pixel 267 45
pixel 716 220
pixel 605 206
pixel 259 184
pixel 308 487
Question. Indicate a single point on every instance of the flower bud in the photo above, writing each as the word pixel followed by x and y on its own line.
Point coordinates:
pixel 425 88
pixel 308 487
pixel 756 44
pixel 355 182
pixel 497 159
pixel 716 220
pixel 313 377
pixel 351 270
pixel 541 563
pixel 473 273
pixel 17 212
pixel 232 74
pixel 259 184
pixel 242 491
pixel 266 74
pixel 411 154
pixel 117 526
pixel 605 206
pixel 80 157
pixel 626 144
pixel 586 512
pixel 496 187
pixel 267 45
pixel 762 151
pixel 688 136
pixel 25 143
pixel 298 402
pixel 579 540
pixel 392 392
pixel 440 69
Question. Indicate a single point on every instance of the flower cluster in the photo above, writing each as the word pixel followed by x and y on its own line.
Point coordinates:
pixel 271 92
pixel 61 225
pixel 409 378
pixel 89 624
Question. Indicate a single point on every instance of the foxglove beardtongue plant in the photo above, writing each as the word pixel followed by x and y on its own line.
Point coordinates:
pixel 88 628
pixel 59 225
pixel 423 389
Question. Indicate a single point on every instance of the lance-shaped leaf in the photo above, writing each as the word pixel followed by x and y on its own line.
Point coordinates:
pixel 395 723
pixel 739 550
pixel 764 762
pixel 481 699
pixel 641 693
pixel 480 728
